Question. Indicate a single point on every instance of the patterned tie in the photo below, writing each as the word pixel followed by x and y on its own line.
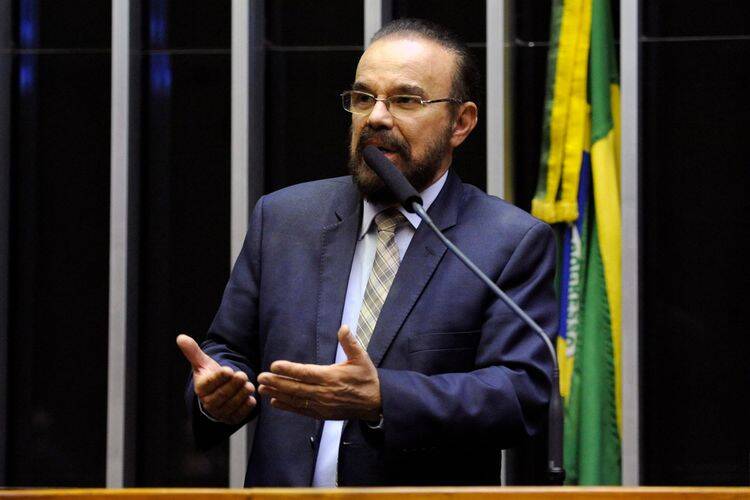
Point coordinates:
pixel 384 269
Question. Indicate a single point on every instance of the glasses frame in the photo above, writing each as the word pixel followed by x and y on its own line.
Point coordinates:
pixel 388 101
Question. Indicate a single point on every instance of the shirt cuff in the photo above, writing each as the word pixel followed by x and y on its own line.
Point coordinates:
pixel 205 413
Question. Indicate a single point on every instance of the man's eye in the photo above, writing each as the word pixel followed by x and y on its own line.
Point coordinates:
pixel 406 101
pixel 362 99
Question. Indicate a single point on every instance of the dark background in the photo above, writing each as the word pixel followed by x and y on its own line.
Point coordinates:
pixel 694 183
pixel 55 68
pixel 183 248
pixel 59 116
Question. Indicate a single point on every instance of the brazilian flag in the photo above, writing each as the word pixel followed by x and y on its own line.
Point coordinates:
pixel 579 191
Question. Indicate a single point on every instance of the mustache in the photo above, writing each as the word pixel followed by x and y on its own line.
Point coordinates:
pixel 382 138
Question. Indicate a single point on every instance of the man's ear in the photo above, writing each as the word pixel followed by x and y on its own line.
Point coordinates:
pixel 464 123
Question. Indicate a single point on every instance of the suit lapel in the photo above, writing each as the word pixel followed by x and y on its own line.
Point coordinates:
pixel 422 258
pixel 338 241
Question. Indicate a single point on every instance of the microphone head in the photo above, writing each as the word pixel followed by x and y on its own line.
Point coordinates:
pixel 391 177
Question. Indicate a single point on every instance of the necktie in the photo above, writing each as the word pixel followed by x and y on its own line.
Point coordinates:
pixel 384 269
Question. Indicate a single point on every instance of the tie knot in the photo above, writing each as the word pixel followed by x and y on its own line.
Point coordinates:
pixel 388 220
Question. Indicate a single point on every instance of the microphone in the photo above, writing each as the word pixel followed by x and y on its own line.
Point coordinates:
pixel 392 177
pixel 411 201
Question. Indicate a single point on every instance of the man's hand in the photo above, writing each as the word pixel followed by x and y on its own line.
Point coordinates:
pixel 225 395
pixel 341 391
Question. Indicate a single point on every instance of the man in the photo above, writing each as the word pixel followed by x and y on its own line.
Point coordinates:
pixel 433 375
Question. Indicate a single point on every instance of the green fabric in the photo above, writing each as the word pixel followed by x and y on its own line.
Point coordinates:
pixel 602 69
pixel 591 436
pixel 592 443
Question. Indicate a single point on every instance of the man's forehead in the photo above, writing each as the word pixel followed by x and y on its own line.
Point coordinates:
pixel 404 63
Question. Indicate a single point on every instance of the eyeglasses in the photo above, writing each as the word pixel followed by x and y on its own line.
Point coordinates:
pixel 361 103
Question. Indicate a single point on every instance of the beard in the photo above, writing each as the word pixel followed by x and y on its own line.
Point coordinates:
pixel 419 172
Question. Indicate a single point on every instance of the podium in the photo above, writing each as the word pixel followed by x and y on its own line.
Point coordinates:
pixel 478 493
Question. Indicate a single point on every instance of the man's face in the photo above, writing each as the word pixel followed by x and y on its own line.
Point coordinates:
pixel 419 143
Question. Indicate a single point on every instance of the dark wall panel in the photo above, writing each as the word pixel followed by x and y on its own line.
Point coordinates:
pixel 470 159
pixel 528 87
pixel 59 135
pixel 59 270
pixel 695 117
pixel 531 28
pixel 466 18
pixel 306 128
pixel 6 60
pixel 186 24
pixel 321 24
pixel 52 24
pixel 694 200
pixel 184 209
pixel 681 18
pixel 183 254
pixel 311 58
pixel 531 20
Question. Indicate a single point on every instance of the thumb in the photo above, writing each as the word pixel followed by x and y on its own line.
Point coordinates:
pixel 349 343
pixel 190 349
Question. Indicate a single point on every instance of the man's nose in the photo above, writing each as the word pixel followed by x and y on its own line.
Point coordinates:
pixel 380 116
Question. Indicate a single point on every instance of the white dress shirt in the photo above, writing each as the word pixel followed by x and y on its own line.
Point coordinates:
pixel 364 255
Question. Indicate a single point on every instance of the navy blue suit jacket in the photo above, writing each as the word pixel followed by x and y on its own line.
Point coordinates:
pixel 461 376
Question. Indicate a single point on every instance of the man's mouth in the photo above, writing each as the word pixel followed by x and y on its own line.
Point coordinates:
pixel 386 149
pixel 390 153
pixel 390 148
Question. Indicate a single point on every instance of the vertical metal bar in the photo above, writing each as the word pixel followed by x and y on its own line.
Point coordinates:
pixel 373 18
pixel 497 112
pixel 630 130
pixel 5 79
pixel 238 444
pixel 496 28
pixel 118 245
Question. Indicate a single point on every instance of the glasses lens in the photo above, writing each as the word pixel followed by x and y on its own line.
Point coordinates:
pixel 405 103
pixel 360 102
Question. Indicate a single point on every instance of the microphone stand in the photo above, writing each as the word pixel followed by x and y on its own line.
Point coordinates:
pixel 555 470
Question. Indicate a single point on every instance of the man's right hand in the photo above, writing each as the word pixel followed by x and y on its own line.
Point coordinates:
pixel 225 394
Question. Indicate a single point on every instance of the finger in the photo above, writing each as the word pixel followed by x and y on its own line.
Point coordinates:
pixel 243 411
pixel 317 405
pixel 312 374
pixel 219 405
pixel 190 349
pixel 290 386
pixel 300 411
pixel 351 346
pixel 208 382
pixel 237 401
pixel 225 392
pixel 288 399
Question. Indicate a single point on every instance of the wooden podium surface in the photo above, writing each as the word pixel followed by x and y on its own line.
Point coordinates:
pixel 525 493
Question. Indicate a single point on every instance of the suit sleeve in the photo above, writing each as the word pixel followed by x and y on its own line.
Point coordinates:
pixel 232 339
pixel 505 398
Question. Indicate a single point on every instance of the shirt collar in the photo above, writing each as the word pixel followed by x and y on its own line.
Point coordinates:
pixel 370 210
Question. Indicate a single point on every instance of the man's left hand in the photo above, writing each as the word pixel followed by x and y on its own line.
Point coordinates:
pixel 341 391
